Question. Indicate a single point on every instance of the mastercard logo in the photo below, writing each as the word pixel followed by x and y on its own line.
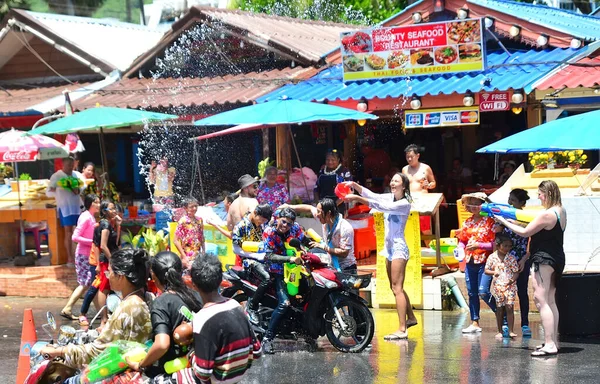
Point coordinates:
pixel 469 117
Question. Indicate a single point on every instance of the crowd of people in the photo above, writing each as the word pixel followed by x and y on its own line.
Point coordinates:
pixel 498 253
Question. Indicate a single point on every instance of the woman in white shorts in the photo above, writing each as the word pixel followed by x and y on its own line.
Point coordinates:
pixel 396 208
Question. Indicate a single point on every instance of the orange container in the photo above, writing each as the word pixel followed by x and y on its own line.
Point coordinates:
pixel 364 242
pixel 133 211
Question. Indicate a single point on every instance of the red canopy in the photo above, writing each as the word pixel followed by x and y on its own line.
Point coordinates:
pixel 228 131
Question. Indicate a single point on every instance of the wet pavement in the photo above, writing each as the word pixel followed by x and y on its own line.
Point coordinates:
pixel 436 352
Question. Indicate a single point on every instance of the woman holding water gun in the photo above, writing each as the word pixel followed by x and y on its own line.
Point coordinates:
pixel 396 208
pixel 548 259
pixel 518 198
pixel 128 274
pixel 167 314
pixel 476 238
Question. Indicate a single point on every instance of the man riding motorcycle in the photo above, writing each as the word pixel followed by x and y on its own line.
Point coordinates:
pixel 274 239
pixel 251 229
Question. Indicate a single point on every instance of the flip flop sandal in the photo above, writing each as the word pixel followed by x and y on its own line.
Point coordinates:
pixel 542 353
pixel 538 347
pixel 396 336
pixel 68 316
pixel 408 325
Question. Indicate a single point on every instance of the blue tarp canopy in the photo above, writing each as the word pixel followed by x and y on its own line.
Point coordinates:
pixel 570 133
pixel 284 111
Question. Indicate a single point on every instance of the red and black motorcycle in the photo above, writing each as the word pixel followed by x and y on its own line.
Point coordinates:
pixel 327 303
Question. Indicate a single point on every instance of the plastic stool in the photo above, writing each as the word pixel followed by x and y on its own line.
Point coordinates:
pixel 37 231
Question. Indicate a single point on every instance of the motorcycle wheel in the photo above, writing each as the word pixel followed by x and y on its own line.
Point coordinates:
pixel 360 326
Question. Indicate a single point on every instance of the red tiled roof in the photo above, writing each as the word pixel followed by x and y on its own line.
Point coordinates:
pixel 574 75
pixel 186 92
pixel 15 99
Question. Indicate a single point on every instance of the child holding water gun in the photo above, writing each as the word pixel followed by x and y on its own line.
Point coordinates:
pixel 503 266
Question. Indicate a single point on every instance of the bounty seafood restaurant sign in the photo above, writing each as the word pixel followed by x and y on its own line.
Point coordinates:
pixel 413 50
pixel 430 118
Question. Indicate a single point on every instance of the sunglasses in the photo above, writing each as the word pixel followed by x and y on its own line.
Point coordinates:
pixel 286 223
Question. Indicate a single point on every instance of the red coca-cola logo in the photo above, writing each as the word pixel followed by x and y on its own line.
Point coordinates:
pixel 17 156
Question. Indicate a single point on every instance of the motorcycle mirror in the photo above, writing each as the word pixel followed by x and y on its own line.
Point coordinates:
pixel 112 302
pixel 50 319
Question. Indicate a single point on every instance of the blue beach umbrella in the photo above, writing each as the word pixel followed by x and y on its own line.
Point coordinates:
pixel 569 133
pixel 284 111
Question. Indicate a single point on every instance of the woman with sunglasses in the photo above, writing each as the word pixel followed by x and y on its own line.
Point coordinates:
pixel 274 238
pixel 128 273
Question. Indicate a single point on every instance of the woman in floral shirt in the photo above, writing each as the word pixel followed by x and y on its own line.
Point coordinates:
pixel 271 192
pixel 189 235
pixel 476 238
pixel 102 189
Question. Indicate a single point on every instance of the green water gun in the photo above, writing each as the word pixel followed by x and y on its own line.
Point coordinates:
pixel 112 360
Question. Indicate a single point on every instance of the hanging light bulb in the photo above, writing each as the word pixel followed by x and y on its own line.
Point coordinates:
pixel 575 43
pixel 468 100
pixel 517 97
pixel 542 40
pixel 462 13
pixel 361 122
pixel 417 17
pixel 488 22
pixel 415 103
pixel 362 105
pixel 514 31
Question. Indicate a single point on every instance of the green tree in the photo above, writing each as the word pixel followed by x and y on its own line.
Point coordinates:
pixel 74 7
pixel 6 5
pixel 346 11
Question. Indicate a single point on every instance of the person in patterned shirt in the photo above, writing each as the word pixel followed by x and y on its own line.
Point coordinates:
pixel 503 266
pixel 101 188
pixel 251 229
pixel 476 238
pixel 272 192
pixel 128 273
pixel 274 238
pixel 189 235
pixel 518 198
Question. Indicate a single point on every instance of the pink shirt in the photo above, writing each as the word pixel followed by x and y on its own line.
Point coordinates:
pixel 84 233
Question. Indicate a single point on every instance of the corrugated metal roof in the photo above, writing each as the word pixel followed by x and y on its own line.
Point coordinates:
pixel 582 26
pixel 18 99
pixel 504 72
pixel 310 39
pixel 112 41
pixel 574 75
pixel 185 92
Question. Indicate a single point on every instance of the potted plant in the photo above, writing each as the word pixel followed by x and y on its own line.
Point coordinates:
pixel 22 183
pixel 6 172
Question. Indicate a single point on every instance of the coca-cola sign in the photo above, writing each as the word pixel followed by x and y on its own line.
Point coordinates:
pixel 17 156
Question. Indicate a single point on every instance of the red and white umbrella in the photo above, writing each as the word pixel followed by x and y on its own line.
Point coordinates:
pixel 16 147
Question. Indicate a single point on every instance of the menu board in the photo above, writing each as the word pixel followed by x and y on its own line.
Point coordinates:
pixel 413 50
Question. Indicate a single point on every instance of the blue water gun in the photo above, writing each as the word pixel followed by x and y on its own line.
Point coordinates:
pixel 506 211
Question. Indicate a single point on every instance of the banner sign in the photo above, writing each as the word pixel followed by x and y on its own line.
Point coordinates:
pixel 431 118
pixel 494 101
pixel 413 50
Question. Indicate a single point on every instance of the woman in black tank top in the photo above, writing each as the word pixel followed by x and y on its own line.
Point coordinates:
pixel 548 259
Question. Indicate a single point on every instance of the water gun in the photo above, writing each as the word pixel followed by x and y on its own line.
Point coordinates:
pixel 112 360
pixel 292 272
pixel 253 246
pixel 508 212
pixel 176 365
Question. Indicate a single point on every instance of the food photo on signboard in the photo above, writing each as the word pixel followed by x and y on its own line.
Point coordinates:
pixel 413 50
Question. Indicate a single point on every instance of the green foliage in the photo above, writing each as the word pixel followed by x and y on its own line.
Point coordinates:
pixel 6 5
pixel 153 242
pixel 25 176
pixel 116 9
pixel 364 12
pixel 262 166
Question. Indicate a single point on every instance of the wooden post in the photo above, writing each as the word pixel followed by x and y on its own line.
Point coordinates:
pixel 265 142
pixel 282 144
pixel 350 146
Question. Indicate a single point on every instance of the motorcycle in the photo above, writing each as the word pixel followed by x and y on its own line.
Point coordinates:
pixel 326 303
pixel 44 370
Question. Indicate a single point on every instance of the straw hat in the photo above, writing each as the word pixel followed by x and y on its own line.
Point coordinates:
pixel 475 195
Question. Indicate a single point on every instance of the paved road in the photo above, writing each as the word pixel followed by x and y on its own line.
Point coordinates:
pixel 436 352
